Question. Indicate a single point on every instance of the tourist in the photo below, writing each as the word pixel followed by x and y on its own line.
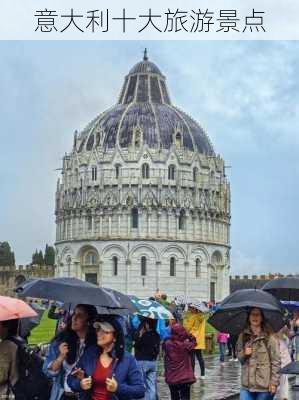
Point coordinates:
pixel 147 346
pixel 60 314
pixel 231 345
pixel 179 373
pixel 8 357
pixel 107 371
pixel 222 339
pixel 195 323
pixel 294 335
pixel 258 352
pixel 66 349
pixel 282 336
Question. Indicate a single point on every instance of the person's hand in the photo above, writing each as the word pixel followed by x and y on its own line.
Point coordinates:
pixel 86 383
pixel 111 385
pixel 248 350
pixel 296 322
pixel 272 388
pixel 63 349
pixel 78 373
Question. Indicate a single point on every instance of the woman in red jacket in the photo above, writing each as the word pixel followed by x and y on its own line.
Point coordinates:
pixel 179 374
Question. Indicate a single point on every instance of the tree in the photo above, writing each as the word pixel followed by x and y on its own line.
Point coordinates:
pixel 35 258
pixel 7 257
pixel 49 255
pixel 40 258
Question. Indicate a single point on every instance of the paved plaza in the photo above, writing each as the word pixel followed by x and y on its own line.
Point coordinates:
pixel 220 383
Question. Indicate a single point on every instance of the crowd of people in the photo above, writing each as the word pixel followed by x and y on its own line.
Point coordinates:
pixel 97 357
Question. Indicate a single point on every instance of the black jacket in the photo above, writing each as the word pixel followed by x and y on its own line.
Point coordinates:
pixel 147 346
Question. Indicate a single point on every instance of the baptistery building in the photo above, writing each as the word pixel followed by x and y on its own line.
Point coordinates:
pixel 143 202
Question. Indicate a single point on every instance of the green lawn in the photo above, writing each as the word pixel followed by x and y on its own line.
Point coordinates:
pixel 44 332
pixel 46 329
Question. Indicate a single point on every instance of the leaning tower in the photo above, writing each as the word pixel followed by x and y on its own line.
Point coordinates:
pixel 143 201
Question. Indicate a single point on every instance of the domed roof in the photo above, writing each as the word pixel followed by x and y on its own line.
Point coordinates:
pixel 145 113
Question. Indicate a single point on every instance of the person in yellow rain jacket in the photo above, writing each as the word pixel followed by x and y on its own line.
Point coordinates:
pixel 194 322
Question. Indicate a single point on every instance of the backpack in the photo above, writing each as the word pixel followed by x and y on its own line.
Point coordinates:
pixel 32 383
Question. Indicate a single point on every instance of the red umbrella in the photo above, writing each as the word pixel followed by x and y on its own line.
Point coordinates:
pixel 11 308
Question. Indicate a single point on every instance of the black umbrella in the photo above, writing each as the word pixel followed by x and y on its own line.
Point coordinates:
pixel 291 369
pixel 284 288
pixel 27 324
pixel 231 315
pixel 75 291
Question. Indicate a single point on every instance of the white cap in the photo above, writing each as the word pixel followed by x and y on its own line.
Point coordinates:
pixel 105 326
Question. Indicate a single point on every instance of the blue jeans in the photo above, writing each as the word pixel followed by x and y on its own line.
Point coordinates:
pixel 246 395
pixel 221 349
pixel 149 372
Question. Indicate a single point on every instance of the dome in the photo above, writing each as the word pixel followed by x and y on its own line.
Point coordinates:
pixel 145 107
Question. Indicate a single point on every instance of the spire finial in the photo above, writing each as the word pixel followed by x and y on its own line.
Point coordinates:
pixel 145 57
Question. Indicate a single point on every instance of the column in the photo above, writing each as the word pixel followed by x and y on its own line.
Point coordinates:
pixel 109 225
pixel 128 263
pixel 128 223
pixel 101 223
pixel 149 223
pixel 158 222
pixel 158 267
pixel 118 223
pixel 187 220
pixel 194 226
pixel 177 214
pixel 77 266
pixel 168 222
pixel 83 224
pixel 186 283
pixel 92 223
pixel 65 228
pixel 71 226
pixel 100 274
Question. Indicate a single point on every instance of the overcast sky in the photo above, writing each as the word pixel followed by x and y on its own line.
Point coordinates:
pixel 245 94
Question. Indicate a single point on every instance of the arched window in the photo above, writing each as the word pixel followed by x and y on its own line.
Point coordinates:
pixel 145 171
pixel 195 174
pixel 172 266
pixel 217 258
pixel 94 173
pixel 134 217
pixel 143 266
pixel 178 140
pixel 115 265
pixel 197 268
pixel 117 170
pixel 90 258
pixel 171 172
pixel 182 220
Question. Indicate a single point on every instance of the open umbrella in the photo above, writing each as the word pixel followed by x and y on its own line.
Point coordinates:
pixel 11 308
pixel 27 324
pixel 150 309
pixel 232 314
pixel 291 369
pixel 283 288
pixel 74 291
pixel 198 305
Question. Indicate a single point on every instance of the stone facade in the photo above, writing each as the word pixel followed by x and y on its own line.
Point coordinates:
pixel 238 282
pixel 136 212
pixel 10 277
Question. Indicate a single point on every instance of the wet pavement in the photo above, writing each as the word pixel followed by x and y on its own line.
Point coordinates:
pixel 221 383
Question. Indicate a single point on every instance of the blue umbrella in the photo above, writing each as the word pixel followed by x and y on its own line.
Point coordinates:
pixel 150 309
